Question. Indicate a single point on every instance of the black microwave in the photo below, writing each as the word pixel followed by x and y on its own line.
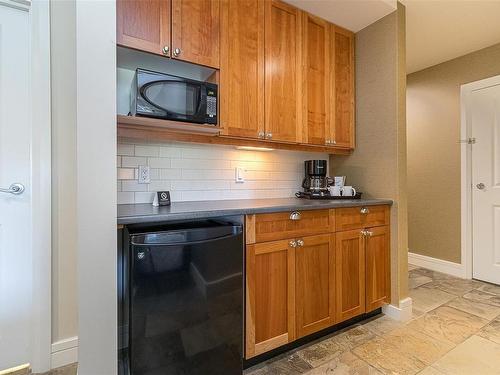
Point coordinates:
pixel 170 97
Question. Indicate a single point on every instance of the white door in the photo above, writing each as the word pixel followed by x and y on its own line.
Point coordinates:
pixel 16 263
pixel 485 127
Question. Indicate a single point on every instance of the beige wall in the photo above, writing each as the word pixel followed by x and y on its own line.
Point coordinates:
pixel 433 101
pixel 378 165
pixel 63 81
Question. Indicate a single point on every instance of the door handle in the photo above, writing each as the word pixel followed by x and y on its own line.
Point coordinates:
pixel 15 189
pixel 481 186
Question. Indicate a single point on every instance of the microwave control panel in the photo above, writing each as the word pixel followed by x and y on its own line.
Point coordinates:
pixel 211 106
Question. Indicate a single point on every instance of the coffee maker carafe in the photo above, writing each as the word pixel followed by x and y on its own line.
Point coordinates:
pixel 315 181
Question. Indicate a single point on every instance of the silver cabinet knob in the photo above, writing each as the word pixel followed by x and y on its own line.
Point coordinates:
pixel 334 142
pixel 177 52
pixel 364 211
pixel 261 134
pixel 300 243
pixel 165 50
pixel 293 243
pixel 369 233
pixel 269 135
pixel 327 142
pixel 295 215
pixel 481 186
pixel 15 189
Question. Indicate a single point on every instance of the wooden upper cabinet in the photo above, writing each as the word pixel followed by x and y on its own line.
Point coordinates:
pixel 316 90
pixel 378 267
pixel 315 284
pixel 283 72
pixel 241 87
pixel 270 296
pixel 195 31
pixel 342 56
pixel 350 274
pixel 144 25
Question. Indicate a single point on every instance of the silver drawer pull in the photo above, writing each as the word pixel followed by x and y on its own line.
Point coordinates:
pixel 293 243
pixel 364 211
pixel 295 215
pixel 300 243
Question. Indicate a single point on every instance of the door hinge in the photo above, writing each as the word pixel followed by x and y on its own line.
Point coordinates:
pixel 469 141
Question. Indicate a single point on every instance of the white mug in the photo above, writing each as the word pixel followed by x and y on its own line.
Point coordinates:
pixel 335 191
pixel 348 191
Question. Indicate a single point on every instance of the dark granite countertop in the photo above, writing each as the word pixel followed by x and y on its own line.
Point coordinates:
pixel 146 213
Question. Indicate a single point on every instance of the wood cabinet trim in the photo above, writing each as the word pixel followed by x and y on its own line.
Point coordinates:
pixel 249 229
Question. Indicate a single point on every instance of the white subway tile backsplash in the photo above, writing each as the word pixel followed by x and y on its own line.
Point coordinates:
pixel 126 174
pixel 125 149
pixel 133 161
pixel 141 150
pixel 159 162
pixel 170 152
pixel 160 185
pixel 133 185
pixel 170 174
pixel 143 197
pixel 125 197
pixel 194 172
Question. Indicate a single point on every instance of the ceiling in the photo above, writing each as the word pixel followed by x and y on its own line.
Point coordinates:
pixel 353 15
pixel 441 30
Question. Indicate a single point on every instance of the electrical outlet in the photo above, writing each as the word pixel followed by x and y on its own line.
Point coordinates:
pixel 239 174
pixel 144 176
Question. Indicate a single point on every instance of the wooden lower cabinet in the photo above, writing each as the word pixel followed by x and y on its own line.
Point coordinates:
pixel 350 274
pixel 270 296
pixel 303 284
pixel 315 284
pixel 378 267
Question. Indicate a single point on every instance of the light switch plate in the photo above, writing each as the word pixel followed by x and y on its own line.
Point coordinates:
pixel 239 174
pixel 144 176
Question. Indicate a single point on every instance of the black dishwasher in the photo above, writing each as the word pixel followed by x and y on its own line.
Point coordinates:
pixel 186 299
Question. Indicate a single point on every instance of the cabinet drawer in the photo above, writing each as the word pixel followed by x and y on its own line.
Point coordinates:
pixel 290 224
pixel 361 217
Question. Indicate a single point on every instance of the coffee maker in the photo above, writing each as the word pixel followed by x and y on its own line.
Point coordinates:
pixel 315 182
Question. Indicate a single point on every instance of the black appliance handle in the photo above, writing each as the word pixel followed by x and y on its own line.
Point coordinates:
pixel 236 232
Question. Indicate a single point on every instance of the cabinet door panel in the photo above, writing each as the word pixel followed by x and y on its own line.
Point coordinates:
pixel 195 31
pixel 342 45
pixel 283 112
pixel 317 80
pixel 270 315
pixel 242 68
pixel 143 25
pixel 350 274
pixel 315 284
pixel 378 269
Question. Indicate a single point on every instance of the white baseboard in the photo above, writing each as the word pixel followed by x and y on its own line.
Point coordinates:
pixel 434 264
pixel 402 313
pixel 64 352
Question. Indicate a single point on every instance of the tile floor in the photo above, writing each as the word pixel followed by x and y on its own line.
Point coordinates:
pixel 455 330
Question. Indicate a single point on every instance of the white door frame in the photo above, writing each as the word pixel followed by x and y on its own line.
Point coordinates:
pixel 41 331
pixel 466 169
